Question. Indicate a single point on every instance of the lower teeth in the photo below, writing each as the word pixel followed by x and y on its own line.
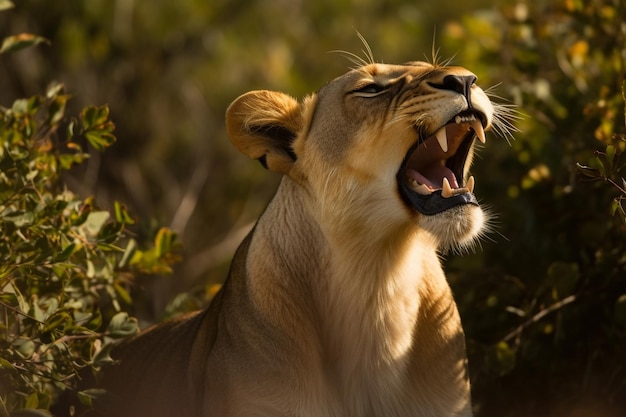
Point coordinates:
pixel 446 190
pixel 420 188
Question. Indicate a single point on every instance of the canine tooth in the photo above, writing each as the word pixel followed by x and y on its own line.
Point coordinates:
pixel 457 120
pixel 446 190
pixel 470 184
pixel 442 138
pixel 422 189
pixel 478 128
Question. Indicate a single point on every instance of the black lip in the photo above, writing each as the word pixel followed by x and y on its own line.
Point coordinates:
pixel 434 203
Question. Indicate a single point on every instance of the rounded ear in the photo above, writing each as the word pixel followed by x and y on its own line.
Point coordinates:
pixel 263 125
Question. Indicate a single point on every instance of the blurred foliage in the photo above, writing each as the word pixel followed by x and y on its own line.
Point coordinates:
pixel 543 300
pixel 66 266
pixel 543 305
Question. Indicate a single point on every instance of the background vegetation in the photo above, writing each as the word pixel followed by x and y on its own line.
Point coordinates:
pixel 543 300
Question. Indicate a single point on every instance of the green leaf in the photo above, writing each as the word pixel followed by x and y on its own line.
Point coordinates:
pixel 123 294
pixel 72 130
pixel 59 319
pixel 128 253
pixel 24 347
pixel 121 214
pixel 45 400
pixel 88 116
pixel 164 241
pixel 615 205
pixel 23 304
pixel 56 110
pixel 91 269
pixel 610 156
pixel 603 166
pixel 32 401
pixel 6 5
pixel 6 365
pixel 100 140
pixel 95 117
pixel 87 396
pixel 20 106
pixel 37 312
pixel 588 171
pixel 111 232
pixel 66 253
pixel 54 89
pixel 103 356
pixel 20 218
pixel 96 320
pixel 95 221
pixel 121 325
pixel 24 40
pixel 102 115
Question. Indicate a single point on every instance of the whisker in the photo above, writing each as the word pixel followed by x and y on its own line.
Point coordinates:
pixel 396 118
pixel 435 54
pixel 489 90
pixel 359 61
pixel 354 58
pixel 505 115
pixel 504 119
pixel 368 51
pixel 449 61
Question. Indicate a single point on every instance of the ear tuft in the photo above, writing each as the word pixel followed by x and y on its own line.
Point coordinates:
pixel 263 125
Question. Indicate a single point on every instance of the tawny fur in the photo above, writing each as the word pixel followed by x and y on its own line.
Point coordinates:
pixel 336 303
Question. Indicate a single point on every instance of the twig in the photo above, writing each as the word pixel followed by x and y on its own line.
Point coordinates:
pixel 208 258
pixel 190 200
pixel 21 313
pixel 539 316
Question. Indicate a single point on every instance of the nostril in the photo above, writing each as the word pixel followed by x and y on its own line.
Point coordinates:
pixel 459 83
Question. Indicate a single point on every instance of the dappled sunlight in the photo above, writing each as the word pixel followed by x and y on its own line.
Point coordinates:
pixel 542 297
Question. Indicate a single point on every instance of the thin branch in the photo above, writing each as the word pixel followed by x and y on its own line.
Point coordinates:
pixel 554 307
pixel 21 313
pixel 616 185
pixel 189 201
pixel 208 258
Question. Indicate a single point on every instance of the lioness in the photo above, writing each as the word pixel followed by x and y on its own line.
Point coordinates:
pixel 336 303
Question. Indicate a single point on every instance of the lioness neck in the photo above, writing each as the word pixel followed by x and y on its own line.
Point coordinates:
pixel 367 304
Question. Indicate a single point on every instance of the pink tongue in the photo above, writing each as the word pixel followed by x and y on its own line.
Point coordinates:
pixel 433 176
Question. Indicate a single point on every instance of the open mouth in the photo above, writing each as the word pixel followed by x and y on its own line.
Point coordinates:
pixel 431 177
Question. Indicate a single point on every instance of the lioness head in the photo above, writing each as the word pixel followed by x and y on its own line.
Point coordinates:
pixel 383 147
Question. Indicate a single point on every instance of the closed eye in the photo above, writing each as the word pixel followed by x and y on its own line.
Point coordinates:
pixel 370 90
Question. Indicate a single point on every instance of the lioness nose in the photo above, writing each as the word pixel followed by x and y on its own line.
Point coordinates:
pixel 459 83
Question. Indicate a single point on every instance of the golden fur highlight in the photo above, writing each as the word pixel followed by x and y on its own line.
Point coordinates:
pixel 336 303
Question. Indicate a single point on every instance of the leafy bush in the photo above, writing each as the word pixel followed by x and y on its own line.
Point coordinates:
pixel 65 264
pixel 544 309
